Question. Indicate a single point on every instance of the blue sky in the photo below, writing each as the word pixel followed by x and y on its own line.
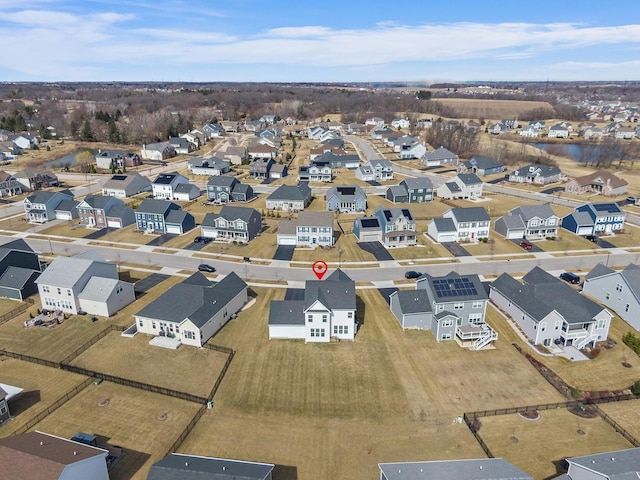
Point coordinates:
pixel 318 41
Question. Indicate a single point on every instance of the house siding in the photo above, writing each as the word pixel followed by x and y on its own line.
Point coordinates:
pixel 624 303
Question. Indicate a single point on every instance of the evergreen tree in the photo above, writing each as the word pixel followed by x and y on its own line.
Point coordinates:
pixel 86 134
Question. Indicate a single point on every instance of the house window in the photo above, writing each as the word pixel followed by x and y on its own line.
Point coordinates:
pixel 68 292
pixel 445 336
pixel 140 322
pixel 475 318
pixel 458 306
pixel 478 304
pixel 556 325
pixel 340 330
pixel 618 287
pixel 607 296
pixel 59 291
pixel 45 288
pixel 153 324
pixel 543 326
pixel 447 323
pixel 324 318
pixel 350 315
pixel 309 318
pixel 188 334
pixel 626 308
pixel 601 323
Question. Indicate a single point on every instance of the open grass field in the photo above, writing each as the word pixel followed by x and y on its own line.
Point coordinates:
pixel 535 445
pixel 145 424
pixel 157 366
pixel 624 413
pixel 388 395
pixel 490 109
pixel 42 386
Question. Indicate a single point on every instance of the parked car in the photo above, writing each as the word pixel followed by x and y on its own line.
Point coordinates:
pixel 631 200
pixel 412 274
pixel 204 240
pixel 526 245
pixel 591 238
pixel 570 277
pixel 203 267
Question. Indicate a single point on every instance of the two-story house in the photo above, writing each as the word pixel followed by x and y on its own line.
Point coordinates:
pixel 182 146
pixel 377 170
pixel 31 179
pixel 327 311
pixel 440 157
pixel 232 224
pixel 419 189
pixel 460 225
pixel 99 211
pixel 532 222
pixel 466 186
pixel 164 185
pixel 85 282
pixel 157 151
pixel 617 290
pixel 549 311
pixel 260 167
pixel 212 166
pixel 346 199
pixel 9 185
pixel 595 218
pixel 126 185
pixel 451 307
pixel 19 269
pixel 559 131
pixel 290 197
pixel 393 227
pixel 40 207
pixel 317 171
pixel 224 189
pixel 310 229
pixel 108 159
pixel 535 174
pixel 152 215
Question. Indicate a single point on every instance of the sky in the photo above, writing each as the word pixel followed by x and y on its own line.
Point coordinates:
pixel 319 41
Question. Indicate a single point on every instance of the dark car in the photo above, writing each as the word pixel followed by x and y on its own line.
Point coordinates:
pixel 203 267
pixel 412 274
pixel 204 240
pixel 591 238
pixel 526 245
pixel 570 277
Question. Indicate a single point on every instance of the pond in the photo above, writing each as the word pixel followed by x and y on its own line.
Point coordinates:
pixel 69 159
pixel 572 150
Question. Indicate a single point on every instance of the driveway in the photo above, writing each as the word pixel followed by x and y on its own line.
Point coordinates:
pixel 294 294
pixel 195 246
pixel 496 180
pixel 552 190
pixel 604 243
pixel 151 281
pixel 97 233
pixel 455 249
pixel 534 248
pixel 267 181
pixel 373 183
pixel 165 237
pixel 284 252
pixel 376 249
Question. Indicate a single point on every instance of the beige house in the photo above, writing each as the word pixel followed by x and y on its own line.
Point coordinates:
pixel 601 182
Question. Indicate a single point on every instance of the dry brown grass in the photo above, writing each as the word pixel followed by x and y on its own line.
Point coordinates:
pixel 42 386
pixel 491 109
pixel 388 394
pixel 145 424
pixel 624 413
pixel 534 445
pixel 154 365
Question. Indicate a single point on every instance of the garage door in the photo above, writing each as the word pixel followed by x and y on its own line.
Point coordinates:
pixel 286 240
pixel 515 234
pixel 174 229
pixel 113 224
pixel 585 230
pixel 63 216
pixel 446 237
pixel 371 237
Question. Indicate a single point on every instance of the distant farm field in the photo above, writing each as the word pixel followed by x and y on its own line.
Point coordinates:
pixel 494 109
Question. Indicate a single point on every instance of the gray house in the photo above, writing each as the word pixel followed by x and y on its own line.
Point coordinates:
pixel 126 185
pixel 529 221
pixel 207 166
pixel 397 194
pixel 452 307
pixel 41 206
pixel 536 174
pixel 232 224
pixel 224 189
pixel 439 157
pixel 178 466
pixel 549 311
pixel 346 199
pixel 480 469
pixel 463 186
pixel 393 227
pixel 19 269
pixel 152 214
pixel 481 166
pixel 290 197
pixel 616 465
pixel 617 290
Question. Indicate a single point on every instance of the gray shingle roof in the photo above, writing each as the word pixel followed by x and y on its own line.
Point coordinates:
pixel 67 206
pixel 43 196
pixel 453 187
pixel 152 205
pixel 481 469
pixel 582 219
pixel 286 312
pixel 444 225
pixel 469 178
pixel 18 244
pixel 99 201
pixel 544 170
pixel 188 467
pixel 473 279
pixel 291 192
pixel 440 154
pixel 177 217
pixel 483 163
pixel 222 181
pixel 185 188
pixel 336 292
pixel 229 213
pixel 511 222
pixel 470 214
pixel 65 272
pixel 527 212
pixel 15 277
pixel 616 465
pixel 315 219
pixel 416 183
pixel 98 289
pixel 413 301
pixel 196 298
pixel 599 271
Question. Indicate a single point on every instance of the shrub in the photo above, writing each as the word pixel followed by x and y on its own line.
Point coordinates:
pixel 635 388
pixel 632 342
pixel 576 393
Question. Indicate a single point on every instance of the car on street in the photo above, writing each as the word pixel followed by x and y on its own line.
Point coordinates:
pixel 204 267
pixel 591 238
pixel 526 245
pixel 631 200
pixel 204 240
pixel 412 274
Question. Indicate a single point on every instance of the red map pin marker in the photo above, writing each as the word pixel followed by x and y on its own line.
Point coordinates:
pixel 319 268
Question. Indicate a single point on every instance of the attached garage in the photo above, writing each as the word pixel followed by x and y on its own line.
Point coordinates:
pixel 585 230
pixel 286 239
pixel 114 223
pixel 370 237
pixel 286 331
pixel 177 229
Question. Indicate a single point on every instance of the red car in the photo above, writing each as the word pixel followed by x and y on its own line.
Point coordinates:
pixel 526 245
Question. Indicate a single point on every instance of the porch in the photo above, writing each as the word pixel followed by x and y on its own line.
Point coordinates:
pixel 476 337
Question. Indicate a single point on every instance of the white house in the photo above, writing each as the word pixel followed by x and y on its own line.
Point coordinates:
pixel 327 311
pixel 310 229
pixel 466 186
pixel 165 183
pixel 466 224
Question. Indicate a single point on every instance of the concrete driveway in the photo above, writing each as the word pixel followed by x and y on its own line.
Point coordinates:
pixel 376 249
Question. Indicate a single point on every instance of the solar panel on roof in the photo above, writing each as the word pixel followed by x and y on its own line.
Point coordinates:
pixel 407 213
pixel 456 287
pixel 347 190
pixel 369 222
pixel 605 207
pixel 119 177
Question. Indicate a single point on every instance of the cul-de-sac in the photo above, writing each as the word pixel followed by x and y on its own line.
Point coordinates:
pixel 272 281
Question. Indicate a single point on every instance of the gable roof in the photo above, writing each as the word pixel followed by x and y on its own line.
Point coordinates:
pixel 470 214
pixel 291 192
pixel 43 196
pixel 100 201
pixel 444 225
pixel 454 287
pixel 123 180
pixel 196 298
pixel 469 178
pixel 616 465
pixel 320 219
pixel 397 191
pixel 177 217
pixel 483 163
pixel 599 270
pixel 156 206
pixel 413 301
pixel 14 245
pixel 346 193
pixel 527 212
pixel 286 312
pixel 16 277
pixel 65 272
pixel 541 169
pixel 440 154
pixel 601 177
pixel 417 182
pixel 336 292
pixel 481 469
pixel 231 213
pixel 178 466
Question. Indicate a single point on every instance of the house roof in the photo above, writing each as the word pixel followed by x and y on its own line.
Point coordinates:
pixel 222 181
pixel 190 467
pixel 177 217
pixel 541 169
pixel 631 274
pixel 286 312
pixel 382 162
pixel 454 287
pixel 601 177
pixel 444 225
pixel 166 178
pixel 98 289
pixel 440 154
pixel 392 214
pixel 469 178
pixel 99 201
pixel 470 214
pixel 42 456
pixel 16 277
pixel 616 465
pixel 65 272
pixel 231 213
pixel 418 182
pixel 156 206
pixel 291 192
pixel 118 211
pixel 336 292
pixel 582 219
pixel 453 187
pixel 368 223
pixel 346 193
pixel 211 162
pixel 158 147
pixel 512 222
pixel 413 301
pixel 397 191
pixel 319 219
pixel 286 226
pixel 605 208
pixel 43 196
pixel 599 270
pixel 121 181
pixel 18 244
pixel 483 163
pixel 185 188
pixel 196 298
pixel 481 469
pixel 527 212
pixel 67 206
